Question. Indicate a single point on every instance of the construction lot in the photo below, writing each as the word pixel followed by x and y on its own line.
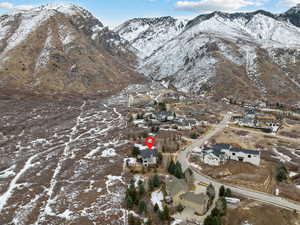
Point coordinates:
pixel 256 213
pixel 274 149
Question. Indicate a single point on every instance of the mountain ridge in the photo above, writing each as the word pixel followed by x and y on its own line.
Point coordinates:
pixel 63 49
pixel 254 48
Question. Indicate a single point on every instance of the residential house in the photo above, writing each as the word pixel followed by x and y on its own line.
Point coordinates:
pixel 244 155
pixel 149 107
pixel 148 157
pixel 220 153
pixel 163 116
pixel 198 202
pixel 185 124
pixel 214 155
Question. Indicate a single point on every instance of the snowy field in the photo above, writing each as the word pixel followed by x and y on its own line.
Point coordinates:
pixel 61 162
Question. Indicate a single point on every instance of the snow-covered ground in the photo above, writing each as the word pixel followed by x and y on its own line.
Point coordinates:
pixel 73 171
pixel 282 157
pixel 156 198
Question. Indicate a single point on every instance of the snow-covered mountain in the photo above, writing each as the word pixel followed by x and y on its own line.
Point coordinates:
pixel 148 34
pixel 62 49
pixel 252 54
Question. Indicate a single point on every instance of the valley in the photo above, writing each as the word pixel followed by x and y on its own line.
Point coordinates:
pixel 218 94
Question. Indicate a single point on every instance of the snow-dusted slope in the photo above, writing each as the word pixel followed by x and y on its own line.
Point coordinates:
pixel 197 56
pixel 62 48
pixel 148 34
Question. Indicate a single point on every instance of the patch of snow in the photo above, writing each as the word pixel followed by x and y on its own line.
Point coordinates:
pixel 30 21
pixel 282 157
pixel 7 173
pixel 176 222
pixel 196 166
pixel 292 174
pixel 109 153
pixel 66 214
pixel 43 58
pixel 156 198
pixel 66 35
pixel 93 152
pixel 13 184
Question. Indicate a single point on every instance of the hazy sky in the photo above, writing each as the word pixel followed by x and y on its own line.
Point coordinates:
pixel 113 12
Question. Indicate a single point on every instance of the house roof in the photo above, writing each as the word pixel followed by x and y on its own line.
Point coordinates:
pixel 217 150
pixel 250 111
pixel 183 124
pixel 147 153
pixel 195 198
pixel 246 151
pixel 221 146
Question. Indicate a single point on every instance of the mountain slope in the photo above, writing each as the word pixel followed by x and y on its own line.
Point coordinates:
pixel 62 49
pixel 242 55
pixel 150 33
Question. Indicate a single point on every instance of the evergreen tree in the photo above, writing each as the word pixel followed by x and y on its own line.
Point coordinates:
pixel 156 181
pixel 161 215
pixel 222 191
pixel 224 204
pixel 155 208
pixel 208 220
pixel 215 212
pixel 178 171
pixel 159 158
pixel 141 190
pixel 211 191
pixel 166 213
pixel 129 202
pixel 132 193
pixel 172 167
pixel 179 208
pixel 142 207
pixel 150 184
pixel 135 151
pixel 228 193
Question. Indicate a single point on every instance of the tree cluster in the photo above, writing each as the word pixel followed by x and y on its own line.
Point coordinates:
pixel 155 129
pixel 154 182
pixel 194 135
pixel 176 169
pixel 215 218
pixel 135 151
pixel 134 195
pixel 281 172
pixel 225 192
pixel 164 215
pixel 211 192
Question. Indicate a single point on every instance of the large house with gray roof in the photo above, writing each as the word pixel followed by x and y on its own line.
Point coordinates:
pixel 220 153
pixel 148 157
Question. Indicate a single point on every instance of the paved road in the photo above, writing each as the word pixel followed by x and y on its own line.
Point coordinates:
pixel 183 158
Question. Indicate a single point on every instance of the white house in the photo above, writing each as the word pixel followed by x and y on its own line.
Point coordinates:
pixel 244 155
pixel 220 153
pixel 211 159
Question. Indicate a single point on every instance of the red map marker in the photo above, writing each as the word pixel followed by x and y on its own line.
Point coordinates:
pixel 150 142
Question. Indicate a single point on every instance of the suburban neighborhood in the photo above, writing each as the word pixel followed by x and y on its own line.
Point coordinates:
pixel 199 175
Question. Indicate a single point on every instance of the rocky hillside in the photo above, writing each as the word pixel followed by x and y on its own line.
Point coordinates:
pixel 250 55
pixel 62 49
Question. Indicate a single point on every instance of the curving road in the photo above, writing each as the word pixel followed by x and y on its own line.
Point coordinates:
pixel 183 158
